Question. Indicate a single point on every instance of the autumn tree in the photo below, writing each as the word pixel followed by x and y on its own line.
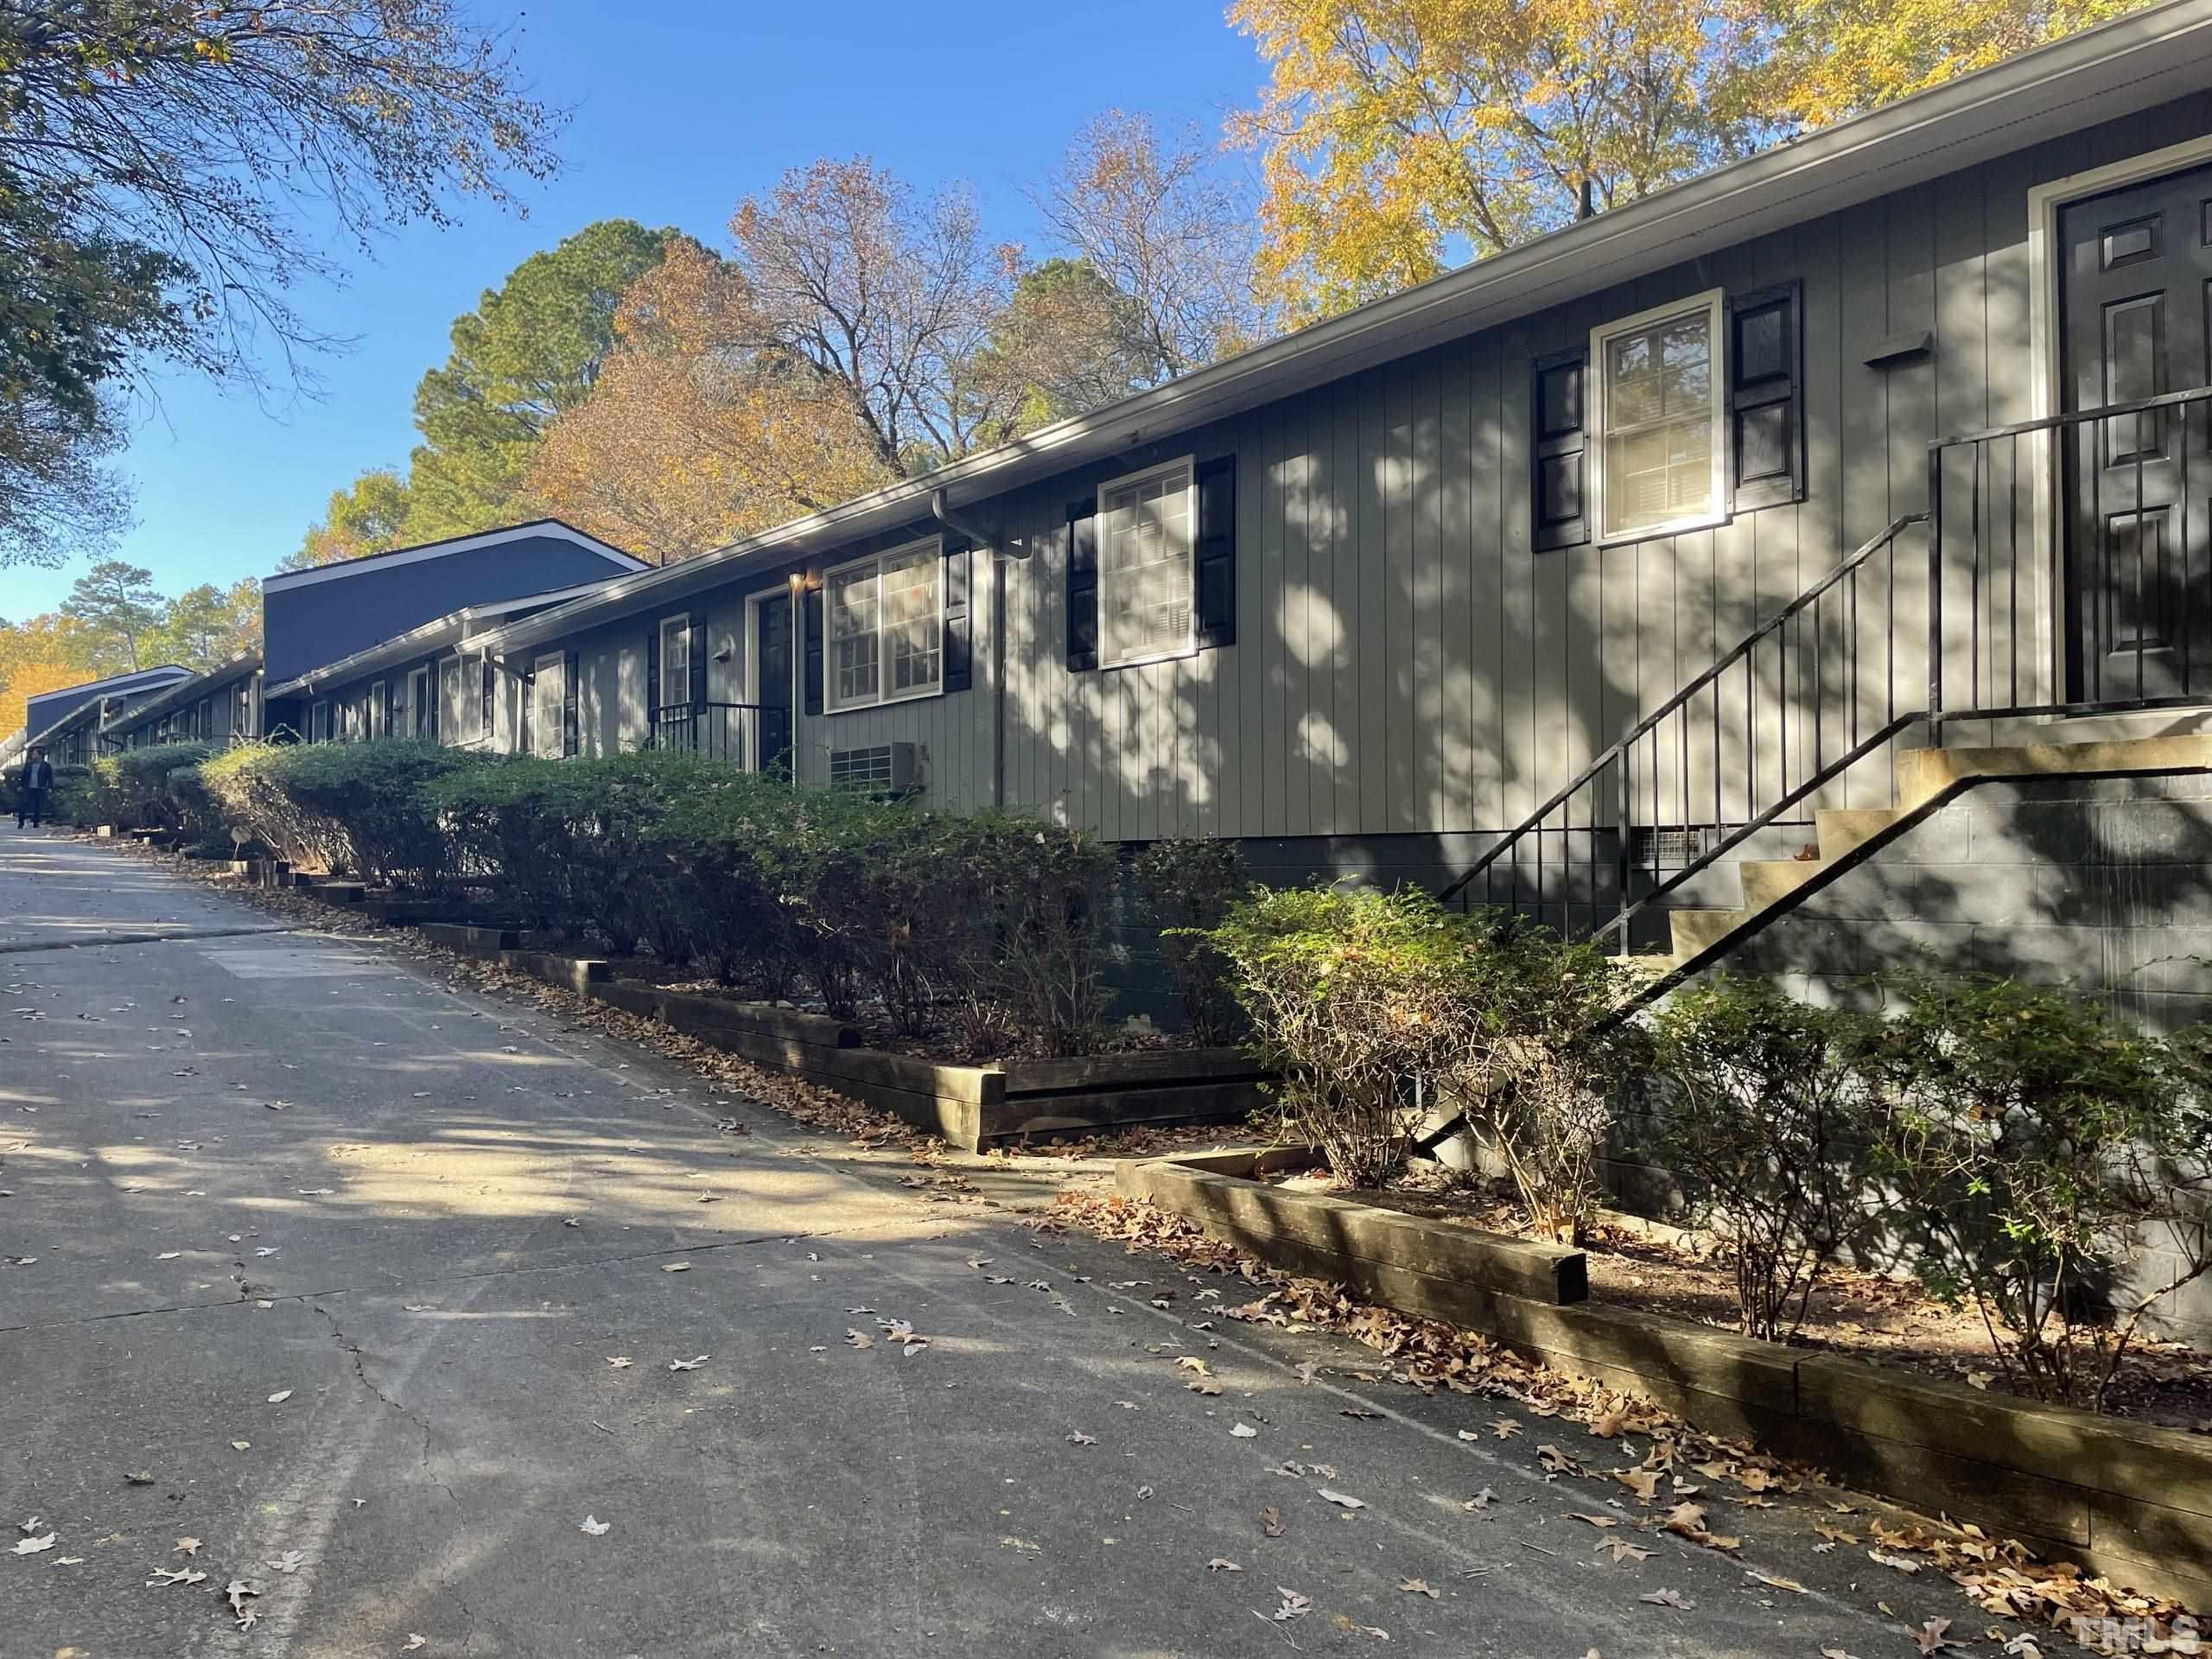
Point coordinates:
pixel 696 433
pixel 20 685
pixel 1171 243
pixel 1833 58
pixel 1397 136
pixel 165 175
pixel 368 516
pixel 45 653
pixel 529 352
pixel 887 298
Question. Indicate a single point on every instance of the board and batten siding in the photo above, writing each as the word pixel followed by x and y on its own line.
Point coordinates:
pixel 1407 664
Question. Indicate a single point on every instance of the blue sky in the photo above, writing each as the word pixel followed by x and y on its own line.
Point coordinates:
pixel 680 109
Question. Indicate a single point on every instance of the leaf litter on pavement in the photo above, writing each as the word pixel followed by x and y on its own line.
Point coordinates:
pixel 2000 1576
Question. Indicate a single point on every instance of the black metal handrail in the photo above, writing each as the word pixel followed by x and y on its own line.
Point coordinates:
pixel 1617 764
pixel 1975 553
pixel 754 736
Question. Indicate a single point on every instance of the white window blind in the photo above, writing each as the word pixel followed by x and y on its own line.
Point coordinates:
pixel 885 623
pixel 1145 584
pixel 1659 408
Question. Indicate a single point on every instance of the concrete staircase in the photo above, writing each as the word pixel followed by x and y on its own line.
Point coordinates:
pixel 1925 777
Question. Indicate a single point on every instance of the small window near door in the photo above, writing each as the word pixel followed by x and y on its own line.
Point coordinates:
pixel 318 723
pixel 378 712
pixel 418 701
pixel 547 688
pixel 674 662
pixel 1658 418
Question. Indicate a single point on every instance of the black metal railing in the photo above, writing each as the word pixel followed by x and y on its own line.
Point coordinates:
pixel 2069 573
pixel 2084 517
pixel 1727 756
pixel 754 736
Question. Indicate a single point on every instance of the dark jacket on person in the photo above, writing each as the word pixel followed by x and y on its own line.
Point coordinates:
pixel 39 774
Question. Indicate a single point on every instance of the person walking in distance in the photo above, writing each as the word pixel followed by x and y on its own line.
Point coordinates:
pixel 38 778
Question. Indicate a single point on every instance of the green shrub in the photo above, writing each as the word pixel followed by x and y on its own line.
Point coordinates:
pixel 344 808
pixel 246 784
pixel 1545 1053
pixel 1184 888
pixel 1365 1002
pixel 1764 1116
pixel 2031 1139
pixel 71 798
pixel 195 814
pixel 519 816
pixel 1354 995
pixel 130 787
pixel 1044 889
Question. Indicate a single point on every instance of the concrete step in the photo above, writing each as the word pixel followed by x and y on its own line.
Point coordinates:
pixel 1841 828
pixel 1922 774
pixel 1695 930
pixel 1768 881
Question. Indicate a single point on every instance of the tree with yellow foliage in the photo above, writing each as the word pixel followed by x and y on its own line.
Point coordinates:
pixel 1399 137
pixel 1833 58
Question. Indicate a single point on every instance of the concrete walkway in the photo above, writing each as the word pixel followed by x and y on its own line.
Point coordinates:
pixel 370 1285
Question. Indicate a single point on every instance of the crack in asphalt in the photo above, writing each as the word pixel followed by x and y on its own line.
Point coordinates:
pixel 361 1371
pixel 308 1297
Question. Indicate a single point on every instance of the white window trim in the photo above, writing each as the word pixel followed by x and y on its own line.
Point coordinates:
pixel 1713 303
pixel 557 726
pixel 1190 645
pixel 419 683
pixel 679 625
pixel 377 718
pixel 319 721
pixel 934 545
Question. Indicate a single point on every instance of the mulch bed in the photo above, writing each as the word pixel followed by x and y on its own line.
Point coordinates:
pixel 1868 1316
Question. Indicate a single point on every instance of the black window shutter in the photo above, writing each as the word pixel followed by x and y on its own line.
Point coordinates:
pixel 1082 585
pixel 699 665
pixel 812 668
pixel 391 708
pixel 652 683
pixel 568 678
pixel 433 688
pixel 1216 553
pixel 1559 470
pixel 1766 403
pixel 485 694
pixel 959 630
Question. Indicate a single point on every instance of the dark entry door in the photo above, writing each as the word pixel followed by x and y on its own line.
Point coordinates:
pixel 772 626
pixel 2135 285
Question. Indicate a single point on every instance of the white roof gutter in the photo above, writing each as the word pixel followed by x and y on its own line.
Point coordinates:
pixel 2144 58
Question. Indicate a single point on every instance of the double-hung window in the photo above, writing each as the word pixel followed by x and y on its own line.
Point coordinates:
pixel 886 627
pixel 1660 457
pixel 418 701
pixel 1146 579
pixel 376 716
pixel 549 686
pixel 319 722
